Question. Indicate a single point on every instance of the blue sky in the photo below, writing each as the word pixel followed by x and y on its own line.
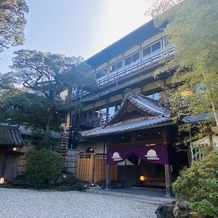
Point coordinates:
pixel 77 27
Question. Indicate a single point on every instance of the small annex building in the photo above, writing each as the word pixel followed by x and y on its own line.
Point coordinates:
pixel 139 140
pixel 10 143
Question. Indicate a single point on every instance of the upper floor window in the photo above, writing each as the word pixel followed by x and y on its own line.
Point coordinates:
pixel 156 46
pixel 101 73
pixel 155 96
pixel 111 111
pixel 135 57
pixel 112 68
pixel 128 61
pixel 147 51
pixel 152 48
pixel 101 115
pixel 119 64
pixel 116 66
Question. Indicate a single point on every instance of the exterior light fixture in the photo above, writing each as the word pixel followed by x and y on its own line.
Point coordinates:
pixel 2 181
pixel 14 149
pixel 142 178
pixel 90 150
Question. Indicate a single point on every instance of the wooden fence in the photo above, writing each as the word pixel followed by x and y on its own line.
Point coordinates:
pixel 92 168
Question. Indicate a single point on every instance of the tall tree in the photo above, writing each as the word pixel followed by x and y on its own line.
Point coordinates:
pixel 48 74
pixel 191 26
pixel 12 22
pixel 6 81
pixel 20 107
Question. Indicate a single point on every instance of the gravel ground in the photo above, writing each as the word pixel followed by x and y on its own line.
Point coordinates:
pixel 23 203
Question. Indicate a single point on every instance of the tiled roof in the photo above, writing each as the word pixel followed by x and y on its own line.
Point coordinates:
pixel 143 103
pixel 10 135
pixel 155 115
pixel 197 118
pixel 148 105
pixel 126 126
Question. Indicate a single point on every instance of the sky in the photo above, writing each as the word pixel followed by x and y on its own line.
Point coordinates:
pixel 77 27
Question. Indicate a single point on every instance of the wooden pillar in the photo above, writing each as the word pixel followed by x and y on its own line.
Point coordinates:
pixel 68 120
pixel 167 167
pixel 107 112
pixel 108 177
pixel 168 181
pixel 3 164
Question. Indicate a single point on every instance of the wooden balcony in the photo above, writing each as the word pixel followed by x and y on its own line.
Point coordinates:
pixel 140 65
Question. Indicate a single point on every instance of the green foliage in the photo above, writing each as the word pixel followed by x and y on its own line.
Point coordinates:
pixel 20 107
pixel 43 168
pixel 12 22
pixel 199 185
pixel 6 81
pixel 68 183
pixel 48 75
pixel 161 6
pixel 45 141
pixel 191 26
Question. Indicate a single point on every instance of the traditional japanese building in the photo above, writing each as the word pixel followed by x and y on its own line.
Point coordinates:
pixel 140 140
pixel 126 124
pixel 10 143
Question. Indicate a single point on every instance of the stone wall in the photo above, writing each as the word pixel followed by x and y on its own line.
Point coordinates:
pixel 70 163
pixel 21 168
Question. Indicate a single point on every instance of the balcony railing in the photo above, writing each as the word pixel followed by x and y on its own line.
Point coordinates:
pixel 127 71
pixel 142 64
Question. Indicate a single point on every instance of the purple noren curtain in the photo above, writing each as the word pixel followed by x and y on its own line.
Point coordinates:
pixel 156 154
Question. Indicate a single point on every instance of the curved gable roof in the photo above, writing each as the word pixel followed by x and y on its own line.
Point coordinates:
pixel 148 107
pixel 10 136
pixel 152 115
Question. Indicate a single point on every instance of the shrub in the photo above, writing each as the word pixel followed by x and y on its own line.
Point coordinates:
pixel 199 185
pixel 69 183
pixel 43 168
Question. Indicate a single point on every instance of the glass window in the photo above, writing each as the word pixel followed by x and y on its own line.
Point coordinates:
pixel 111 111
pixel 101 114
pixel 98 75
pixel 128 61
pixel 101 73
pixel 156 46
pixel 135 57
pixel 119 64
pixel 112 68
pixel 155 96
pixel 147 51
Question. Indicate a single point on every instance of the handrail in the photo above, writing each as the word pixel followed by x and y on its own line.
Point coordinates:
pixel 137 66
pixel 133 68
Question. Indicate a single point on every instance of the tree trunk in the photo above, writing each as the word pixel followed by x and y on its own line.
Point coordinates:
pixel 49 119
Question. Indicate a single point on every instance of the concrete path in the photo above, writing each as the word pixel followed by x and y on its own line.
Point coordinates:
pixel 151 196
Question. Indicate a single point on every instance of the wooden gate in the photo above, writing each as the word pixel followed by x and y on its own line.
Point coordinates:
pixel 10 167
pixel 92 168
